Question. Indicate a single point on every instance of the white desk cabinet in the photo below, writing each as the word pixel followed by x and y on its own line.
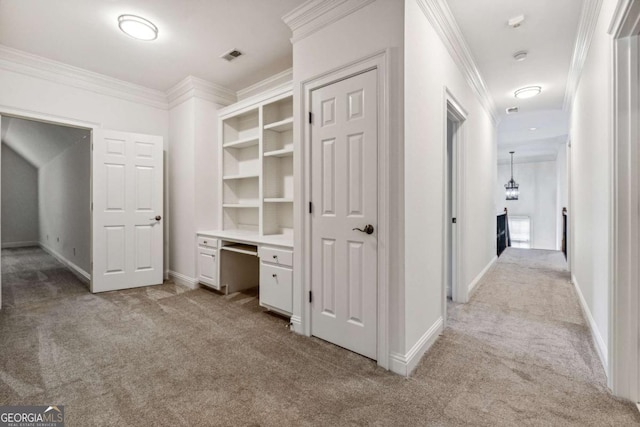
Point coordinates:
pixel 208 262
pixel 228 261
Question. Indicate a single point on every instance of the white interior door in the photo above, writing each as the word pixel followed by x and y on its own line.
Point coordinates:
pixel 127 247
pixel 344 175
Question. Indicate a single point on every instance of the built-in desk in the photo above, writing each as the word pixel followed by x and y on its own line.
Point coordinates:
pixel 234 260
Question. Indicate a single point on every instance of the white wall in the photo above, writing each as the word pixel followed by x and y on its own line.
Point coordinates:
pixel 538 199
pixel 369 30
pixel 19 200
pixel 64 204
pixel 428 70
pixel 193 180
pixel 591 171
pixel 562 191
pixel 29 95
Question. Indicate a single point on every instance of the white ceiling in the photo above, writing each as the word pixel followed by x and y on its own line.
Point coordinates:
pixel 192 36
pixel 548 34
pixel 37 142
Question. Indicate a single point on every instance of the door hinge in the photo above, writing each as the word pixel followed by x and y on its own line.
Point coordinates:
pixel 310 296
pixel 310 207
pixel 310 117
pixel 454 220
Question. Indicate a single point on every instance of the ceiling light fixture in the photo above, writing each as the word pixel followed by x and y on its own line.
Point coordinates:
pixel 527 92
pixel 533 129
pixel 137 27
pixel 512 189
pixel 520 55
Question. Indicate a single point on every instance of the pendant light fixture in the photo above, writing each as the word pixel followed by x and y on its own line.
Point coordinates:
pixel 511 187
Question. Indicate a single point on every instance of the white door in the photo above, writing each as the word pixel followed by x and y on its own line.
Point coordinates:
pixel 127 212
pixel 344 175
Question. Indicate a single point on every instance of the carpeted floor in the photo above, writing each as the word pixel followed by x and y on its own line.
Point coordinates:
pixel 518 354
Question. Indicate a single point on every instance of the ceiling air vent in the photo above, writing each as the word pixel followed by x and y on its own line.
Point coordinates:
pixel 512 110
pixel 231 55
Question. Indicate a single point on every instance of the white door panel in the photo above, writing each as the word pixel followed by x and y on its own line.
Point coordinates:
pixel 127 196
pixel 344 195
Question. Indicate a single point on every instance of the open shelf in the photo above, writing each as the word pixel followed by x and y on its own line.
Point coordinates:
pixel 281 126
pixel 241 249
pixel 285 152
pixel 243 176
pixel 241 205
pixel 241 128
pixel 278 200
pixel 242 143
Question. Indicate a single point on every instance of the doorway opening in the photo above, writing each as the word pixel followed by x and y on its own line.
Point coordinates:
pixel 454 287
pixel 46 212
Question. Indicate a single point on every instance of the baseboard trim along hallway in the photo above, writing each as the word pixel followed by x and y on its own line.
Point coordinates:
pixel 598 341
pixel 404 364
pixel 478 278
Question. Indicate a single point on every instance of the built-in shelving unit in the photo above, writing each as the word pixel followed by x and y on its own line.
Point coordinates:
pixel 257 168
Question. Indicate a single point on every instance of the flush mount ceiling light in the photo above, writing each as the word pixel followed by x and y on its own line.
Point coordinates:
pixel 137 27
pixel 533 129
pixel 516 21
pixel 527 92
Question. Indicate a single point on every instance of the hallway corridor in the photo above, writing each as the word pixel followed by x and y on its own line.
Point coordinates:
pixel 521 352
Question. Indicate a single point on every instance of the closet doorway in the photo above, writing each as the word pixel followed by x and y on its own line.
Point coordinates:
pixel 46 215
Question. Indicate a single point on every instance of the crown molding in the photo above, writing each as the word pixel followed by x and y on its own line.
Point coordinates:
pixel 314 15
pixel 440 16
pixel 625 19
pixel 586 28
pixel 266 84
pixel 26 63
pixel 194 87
pixel 284 89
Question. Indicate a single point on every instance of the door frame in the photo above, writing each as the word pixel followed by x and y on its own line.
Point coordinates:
pixel 624 297
pixel 6 111
pixel 459 292
pixel 378 61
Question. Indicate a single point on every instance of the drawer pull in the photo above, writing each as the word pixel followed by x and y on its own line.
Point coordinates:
pixel 205 242
pixel 275 257
pixel 275 275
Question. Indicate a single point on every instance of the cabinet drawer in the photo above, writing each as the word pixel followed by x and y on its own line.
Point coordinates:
pixel 276 287
pixel 208 267
pixel 207 241
pixel 276 256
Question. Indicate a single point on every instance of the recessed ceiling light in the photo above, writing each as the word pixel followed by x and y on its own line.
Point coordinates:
pixel 528 92
pixel 520 56
pixel 533 129
pixel 137 27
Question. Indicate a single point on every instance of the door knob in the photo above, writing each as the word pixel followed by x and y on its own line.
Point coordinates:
pixel 158 218
pixel 367 229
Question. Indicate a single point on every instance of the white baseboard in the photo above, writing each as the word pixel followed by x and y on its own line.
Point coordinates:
pixel 479 277
pixel 79 272
pixel 296 325
pixel 601 346
pixel 405 364
pixel 184 280
pixel 11 245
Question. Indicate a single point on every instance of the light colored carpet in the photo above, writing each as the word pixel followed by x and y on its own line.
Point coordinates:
pixel 518 354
